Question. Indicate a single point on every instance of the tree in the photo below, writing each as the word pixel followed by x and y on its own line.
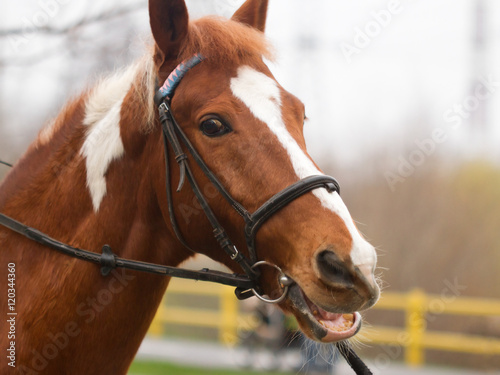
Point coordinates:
pixel 49 55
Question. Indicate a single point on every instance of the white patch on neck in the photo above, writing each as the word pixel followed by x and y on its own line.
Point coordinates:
pixel 103 142
pixel 262 96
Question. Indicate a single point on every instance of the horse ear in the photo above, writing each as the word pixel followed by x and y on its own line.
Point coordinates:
pixel 169 24
pixel 252 13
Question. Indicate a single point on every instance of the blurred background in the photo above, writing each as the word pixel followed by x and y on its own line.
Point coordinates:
pixel 403 101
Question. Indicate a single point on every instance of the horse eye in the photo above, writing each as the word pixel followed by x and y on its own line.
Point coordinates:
pixel 214 127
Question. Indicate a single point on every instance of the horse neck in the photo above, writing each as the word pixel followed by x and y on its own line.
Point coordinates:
pixel 62 188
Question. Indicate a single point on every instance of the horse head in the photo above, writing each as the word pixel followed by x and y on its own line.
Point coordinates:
pixel 249 131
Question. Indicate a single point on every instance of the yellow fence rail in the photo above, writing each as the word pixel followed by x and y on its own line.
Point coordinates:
pixel 414 337
pixel 227 318
pixel 419 308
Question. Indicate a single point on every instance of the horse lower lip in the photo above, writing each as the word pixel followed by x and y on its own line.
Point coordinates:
pixel 328 326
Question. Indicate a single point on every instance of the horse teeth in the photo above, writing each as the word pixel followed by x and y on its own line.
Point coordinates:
pixel 348 317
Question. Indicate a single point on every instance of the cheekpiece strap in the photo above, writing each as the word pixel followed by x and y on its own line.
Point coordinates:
pixel 173 80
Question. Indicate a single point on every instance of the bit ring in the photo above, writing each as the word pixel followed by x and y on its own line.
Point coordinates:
pixel 283 280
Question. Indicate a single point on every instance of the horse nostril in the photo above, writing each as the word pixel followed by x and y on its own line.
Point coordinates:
pixel 332 270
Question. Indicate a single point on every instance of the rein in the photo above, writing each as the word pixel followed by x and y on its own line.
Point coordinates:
pixel 247 284
pixel 109 261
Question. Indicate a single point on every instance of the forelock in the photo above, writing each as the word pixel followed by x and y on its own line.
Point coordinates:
pixel 224 41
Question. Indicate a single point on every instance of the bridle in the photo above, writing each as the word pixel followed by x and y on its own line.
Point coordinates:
pixel 247 284
pixel 173 135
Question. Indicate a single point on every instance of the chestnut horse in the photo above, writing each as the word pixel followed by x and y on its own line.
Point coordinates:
pixel 96 175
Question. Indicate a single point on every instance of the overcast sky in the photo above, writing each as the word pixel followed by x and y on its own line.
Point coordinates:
pixel 376 76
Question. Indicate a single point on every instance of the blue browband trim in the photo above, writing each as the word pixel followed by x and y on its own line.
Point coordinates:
pixel 173 80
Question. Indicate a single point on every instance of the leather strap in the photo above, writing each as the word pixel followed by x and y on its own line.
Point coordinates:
pixel 109 261
pixel 167 112
pixel 170 130
pixel 280 200
pixel 357 365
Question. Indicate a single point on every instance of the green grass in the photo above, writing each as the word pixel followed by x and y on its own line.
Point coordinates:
pixel 162 368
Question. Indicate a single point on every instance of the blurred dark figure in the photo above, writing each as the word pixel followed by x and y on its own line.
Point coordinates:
pixel 266 335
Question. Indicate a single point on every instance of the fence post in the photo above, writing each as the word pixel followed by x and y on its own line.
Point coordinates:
pixel 229 316
pixel 415 327
pixel 156 327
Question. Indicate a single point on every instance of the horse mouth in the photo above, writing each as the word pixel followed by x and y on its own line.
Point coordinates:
pixel 323 325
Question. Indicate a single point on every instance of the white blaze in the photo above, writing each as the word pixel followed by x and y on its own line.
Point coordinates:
pixel 262 96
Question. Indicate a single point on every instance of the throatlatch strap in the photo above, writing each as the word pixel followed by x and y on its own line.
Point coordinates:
pixel 169 134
